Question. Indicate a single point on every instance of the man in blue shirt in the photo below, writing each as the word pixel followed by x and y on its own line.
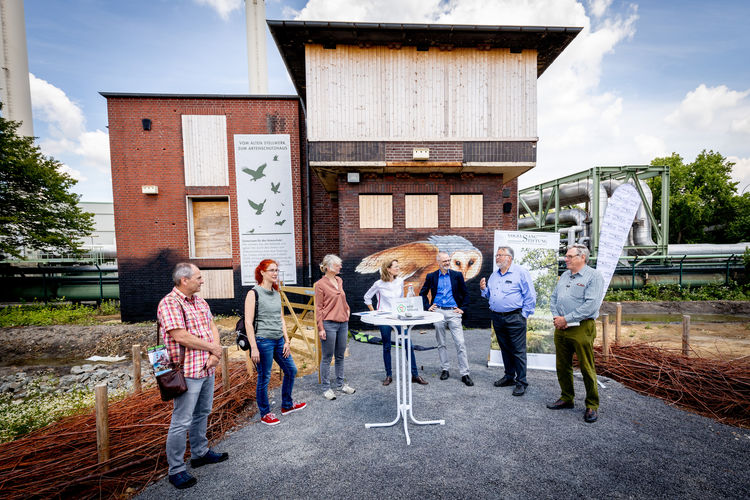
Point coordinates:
pixel 575 305
pixel 448 291
pixel 512 299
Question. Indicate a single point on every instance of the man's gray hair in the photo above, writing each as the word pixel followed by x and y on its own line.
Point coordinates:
pixel 183 270
pixel 581 250
pixel 328 261
pixel 437 257
pixel 508 249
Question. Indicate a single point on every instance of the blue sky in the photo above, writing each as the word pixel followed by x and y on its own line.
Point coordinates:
pixel 643 79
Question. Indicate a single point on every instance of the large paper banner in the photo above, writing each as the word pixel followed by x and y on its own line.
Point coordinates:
pixel 538 253
pixel 618 219
pixel 263 165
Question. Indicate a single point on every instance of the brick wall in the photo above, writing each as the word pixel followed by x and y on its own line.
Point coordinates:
pixel 356 244
pixel 152 230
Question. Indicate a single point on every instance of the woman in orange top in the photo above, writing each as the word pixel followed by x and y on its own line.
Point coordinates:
pixel 332 314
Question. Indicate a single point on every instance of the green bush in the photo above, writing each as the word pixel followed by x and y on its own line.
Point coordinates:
pixel 55 313
pixel 19 417
pixel 651 293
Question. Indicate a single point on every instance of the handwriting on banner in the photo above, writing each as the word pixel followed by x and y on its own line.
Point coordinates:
pixel 618 220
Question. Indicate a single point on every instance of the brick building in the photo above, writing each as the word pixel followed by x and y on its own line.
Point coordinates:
pixel 416 135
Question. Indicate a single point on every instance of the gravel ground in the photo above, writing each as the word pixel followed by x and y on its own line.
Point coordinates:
pixel 493 445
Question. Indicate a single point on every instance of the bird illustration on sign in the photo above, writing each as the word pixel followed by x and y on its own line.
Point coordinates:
pixel 275 187
pixel 258 207
pixel 418 258
pixel 280 223
pixel 278 213
pixel 255 174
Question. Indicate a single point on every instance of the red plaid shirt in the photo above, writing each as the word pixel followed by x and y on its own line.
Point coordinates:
pixel 198 316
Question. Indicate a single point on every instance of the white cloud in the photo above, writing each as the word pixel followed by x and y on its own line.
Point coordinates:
pixel 741 173
pixel 66 128
pixel 650 146
pixel 700 106
pixel 76 174
pixel 222 7
pixel 741 125
pixel 599 7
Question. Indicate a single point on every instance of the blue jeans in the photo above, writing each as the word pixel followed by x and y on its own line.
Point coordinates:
pixel 385 333
pixel 271 350
pixel 190 412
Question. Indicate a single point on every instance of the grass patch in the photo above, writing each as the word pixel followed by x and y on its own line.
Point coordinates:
pixel 56 313
pixel 21 416
pixel 666 293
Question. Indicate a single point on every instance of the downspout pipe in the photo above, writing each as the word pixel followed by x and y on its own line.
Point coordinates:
pixel 308 203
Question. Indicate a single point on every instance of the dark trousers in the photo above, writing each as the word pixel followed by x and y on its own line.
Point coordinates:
pixel 510 330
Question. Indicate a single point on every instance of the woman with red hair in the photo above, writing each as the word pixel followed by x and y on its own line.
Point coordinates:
pixel 269 341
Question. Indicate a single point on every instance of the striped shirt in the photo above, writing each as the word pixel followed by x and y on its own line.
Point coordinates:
pixel 578 296
pixel 175 310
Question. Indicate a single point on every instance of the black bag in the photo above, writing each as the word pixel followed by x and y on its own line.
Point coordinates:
pixel 172 383
pixel 241 332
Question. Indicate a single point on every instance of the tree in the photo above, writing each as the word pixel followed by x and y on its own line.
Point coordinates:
pixel 37 209
pixel 703 203
pixel 542 264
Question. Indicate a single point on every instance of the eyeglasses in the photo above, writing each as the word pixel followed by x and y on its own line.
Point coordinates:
pixel 571 256
pixel 503 255
pixel 272 270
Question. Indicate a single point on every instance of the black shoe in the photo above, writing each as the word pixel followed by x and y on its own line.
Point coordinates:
pixel 505 382
pixel 444 375
pixel 467 380
pixel 211 457
pixel 387 380
pixel 520 390
pixel 182 480
pixel 560 405
pixel 590 416
pixel 419 380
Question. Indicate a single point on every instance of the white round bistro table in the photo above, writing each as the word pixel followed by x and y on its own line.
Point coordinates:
pixel 403 364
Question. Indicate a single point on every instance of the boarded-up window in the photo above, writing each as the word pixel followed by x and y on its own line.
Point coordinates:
pixel 466 210
pixel 375 211
pixel 204 146
pixel 421 210
pixel 209 227
pixel 218 284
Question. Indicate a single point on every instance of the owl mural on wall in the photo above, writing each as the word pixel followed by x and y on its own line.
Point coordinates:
pixel 417 258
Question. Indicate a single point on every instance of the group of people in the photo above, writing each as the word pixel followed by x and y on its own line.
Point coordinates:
pixel 186 322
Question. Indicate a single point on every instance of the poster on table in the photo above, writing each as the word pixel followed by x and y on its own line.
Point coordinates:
pixel 618 220
pixel 538 253
pixel 265 211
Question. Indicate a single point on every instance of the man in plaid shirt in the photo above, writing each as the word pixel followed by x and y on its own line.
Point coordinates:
pixel 186 323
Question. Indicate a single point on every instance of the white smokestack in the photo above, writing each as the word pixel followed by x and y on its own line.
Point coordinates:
pixel 257 65
pixel 14 66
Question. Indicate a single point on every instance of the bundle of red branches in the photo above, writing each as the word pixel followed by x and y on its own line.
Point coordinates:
pixel 60 461
pixel 719 389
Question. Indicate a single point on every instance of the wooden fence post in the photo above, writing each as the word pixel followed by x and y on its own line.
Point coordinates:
pixel 686 335
pixel 136 368
pixel 605 336
pixel 102 422
pixel 618 323
pixel 225 368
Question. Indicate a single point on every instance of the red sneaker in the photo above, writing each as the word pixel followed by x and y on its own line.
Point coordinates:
pixel 297 406
pixel 269 419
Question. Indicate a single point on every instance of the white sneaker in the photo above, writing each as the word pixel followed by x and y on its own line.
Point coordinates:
pixel 329 394
pixel 347 389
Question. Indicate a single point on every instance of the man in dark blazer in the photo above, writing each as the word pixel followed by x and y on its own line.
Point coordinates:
pixel 448 291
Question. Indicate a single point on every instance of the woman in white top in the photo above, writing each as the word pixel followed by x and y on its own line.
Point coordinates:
pixel 389 287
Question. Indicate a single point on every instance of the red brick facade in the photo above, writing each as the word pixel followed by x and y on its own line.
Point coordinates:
pixel 152 230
